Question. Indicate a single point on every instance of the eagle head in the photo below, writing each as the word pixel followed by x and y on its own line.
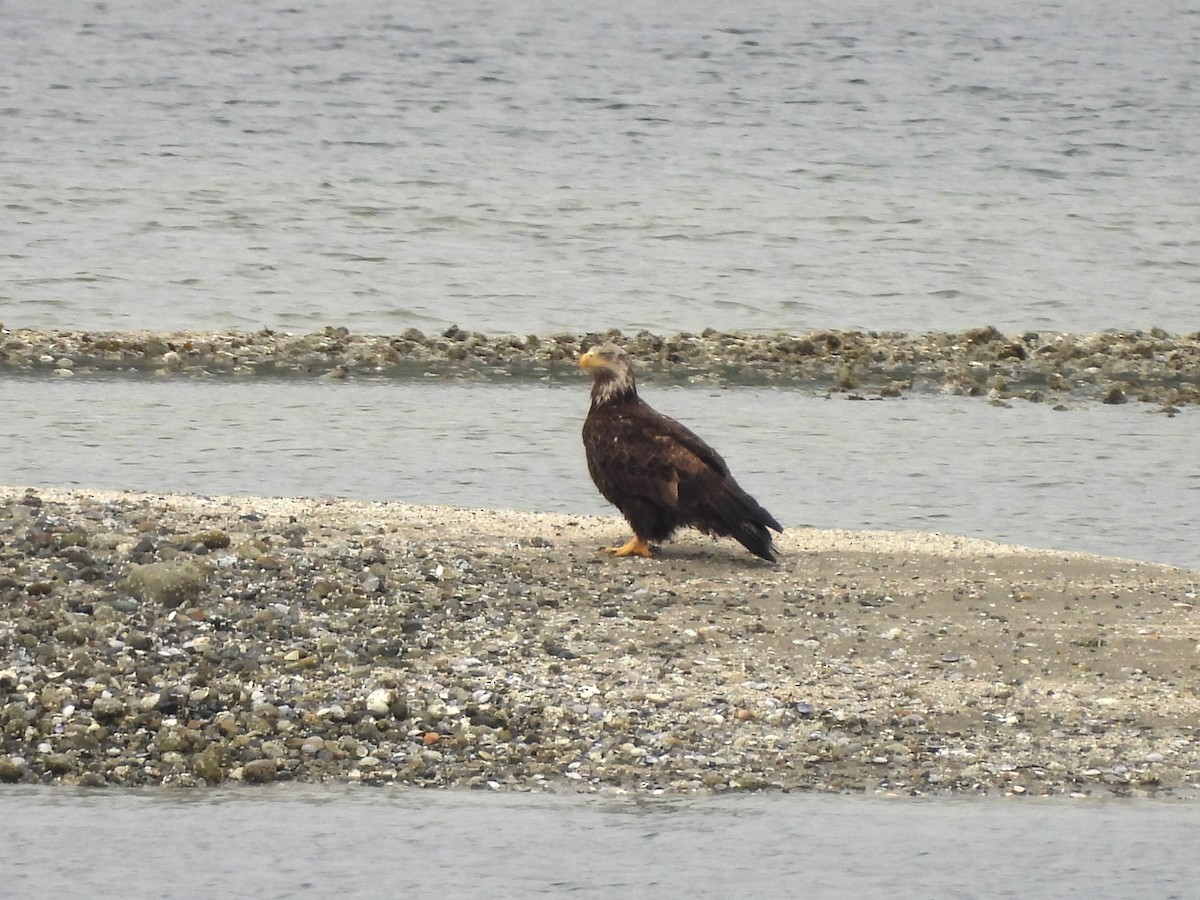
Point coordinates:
pixel 612 372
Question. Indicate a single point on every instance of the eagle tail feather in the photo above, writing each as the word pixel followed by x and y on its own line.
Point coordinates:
pixel 739 516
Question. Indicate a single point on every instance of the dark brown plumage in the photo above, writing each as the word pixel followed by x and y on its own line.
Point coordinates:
pixel 659 474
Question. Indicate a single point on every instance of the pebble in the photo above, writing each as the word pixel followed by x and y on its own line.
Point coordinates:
pixel 167 583
pixel 259 771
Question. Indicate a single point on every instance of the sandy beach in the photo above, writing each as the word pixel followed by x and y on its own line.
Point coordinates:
pixel 188 640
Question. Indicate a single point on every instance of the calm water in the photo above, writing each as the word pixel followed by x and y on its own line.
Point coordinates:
pixel 534 166
pixel 291 842
pixel 1115 480
pixel 544 165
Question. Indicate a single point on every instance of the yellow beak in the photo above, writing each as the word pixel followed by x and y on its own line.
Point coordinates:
pixel 590 360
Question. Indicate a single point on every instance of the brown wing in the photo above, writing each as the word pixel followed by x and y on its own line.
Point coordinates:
pixel 631 454
pixel 635 451
pixel 685 448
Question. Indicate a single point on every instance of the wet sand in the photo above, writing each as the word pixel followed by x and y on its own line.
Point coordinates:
pixel 178 639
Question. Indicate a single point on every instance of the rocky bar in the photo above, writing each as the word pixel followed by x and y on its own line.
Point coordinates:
pixel 1111 367
pixel 191 640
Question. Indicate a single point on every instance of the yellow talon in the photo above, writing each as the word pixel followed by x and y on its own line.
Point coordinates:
pixel 634 547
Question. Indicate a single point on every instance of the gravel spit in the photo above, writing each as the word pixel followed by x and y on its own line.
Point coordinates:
pixel 1110 367
pixel 189 640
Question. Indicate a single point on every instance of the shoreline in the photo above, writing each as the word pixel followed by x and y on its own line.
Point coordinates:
pixel 1109 367
pixel 187 640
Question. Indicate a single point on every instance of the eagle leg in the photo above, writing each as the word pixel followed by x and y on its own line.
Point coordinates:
pixel 635 546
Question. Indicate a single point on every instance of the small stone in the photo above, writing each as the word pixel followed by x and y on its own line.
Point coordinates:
pixel 379 702
pixel 259 771
pixel 213 540
pixel 11 769
pixel 170 584
pixel 55 697
pixel 58 763
pixel 274 749
pixel 211 762
pixel 1113 395
pixel 108 709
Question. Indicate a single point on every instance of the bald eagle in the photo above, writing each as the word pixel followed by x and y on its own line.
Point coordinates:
pixel 659 474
